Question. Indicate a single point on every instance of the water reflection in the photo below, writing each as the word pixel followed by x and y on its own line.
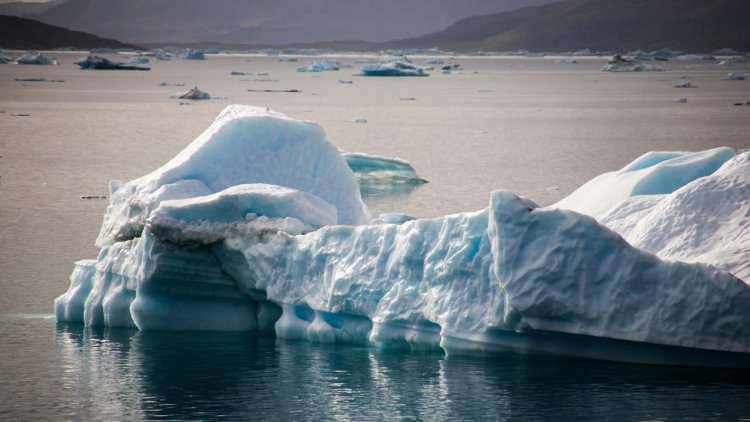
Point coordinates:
pixel 124 374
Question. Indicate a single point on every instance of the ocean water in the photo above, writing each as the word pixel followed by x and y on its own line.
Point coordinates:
pixel 531 125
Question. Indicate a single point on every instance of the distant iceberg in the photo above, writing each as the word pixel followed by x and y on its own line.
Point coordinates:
pixel 139 60
pixel 35 58
pixel 5 59
pixel 193 94
pixel 321 66
pixel 101 63
pixel 398 67
pixel 624 64
pixel 735 77
pixel 193 55
pixel 258 225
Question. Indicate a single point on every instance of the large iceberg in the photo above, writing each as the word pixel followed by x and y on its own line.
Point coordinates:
pixel 258 226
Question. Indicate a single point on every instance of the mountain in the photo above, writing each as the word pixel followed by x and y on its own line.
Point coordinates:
pixel 21 8
pixel 267 21
pixel 27 34
pixel 619 25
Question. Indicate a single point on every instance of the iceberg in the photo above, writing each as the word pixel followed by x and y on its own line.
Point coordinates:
pixel 622 64
pixel 258 226
pixel 398 67
pixel 193 94
pixel 374 169
pixel 101 63
pixel 193 55
pixel 33 57
pixel 735 77
pixel 321 66
pixel 5 59
pixel 139 60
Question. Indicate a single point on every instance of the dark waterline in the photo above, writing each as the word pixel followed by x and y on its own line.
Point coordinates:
pixel 61 371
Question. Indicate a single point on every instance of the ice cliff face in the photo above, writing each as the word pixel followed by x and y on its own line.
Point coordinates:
pixel 258 226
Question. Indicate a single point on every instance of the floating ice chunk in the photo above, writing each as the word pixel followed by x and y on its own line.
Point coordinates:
pixel 37 79
pixel 725 63
pixel 139 60
pixel 193 55
pixel 567 61
pixel 619 63
pixel 435 62
pixel 346 82
pixel 652 173
pixel 32 57
pixel 684 85
pixel 100 63
pixel 238 73
pixel 681 100
pixel 374 169
pixel 5 59
pixel 243 145
pixel 735 77
pixel 320 66
pixel 102 50
pixel 359 120
pixel 398 67
pixel 193 94
pixel 288 59
pixel 687 57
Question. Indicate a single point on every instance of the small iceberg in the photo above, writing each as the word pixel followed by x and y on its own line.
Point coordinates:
pixel 5 59
pixel 685 84
pixel 359 120
pixel 37 79
pixel 691 57
pixel 374 169
pixel 35 58
pixel 101 63
pixel 139 60
pixel 193 94
pixel 102 50
pixel 619 63
pixel 321 66
pixel 398 67
pixel 682 100
pixel 238 73
pixel 193 55
pixel 735 77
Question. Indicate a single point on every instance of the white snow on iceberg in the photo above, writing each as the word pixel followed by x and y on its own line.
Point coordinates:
pixel 239 232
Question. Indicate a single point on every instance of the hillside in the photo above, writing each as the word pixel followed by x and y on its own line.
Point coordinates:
pixel 27 34
pixel 266 21
pixel 619 25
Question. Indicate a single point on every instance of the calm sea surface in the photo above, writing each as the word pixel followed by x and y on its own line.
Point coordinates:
pixel 533 126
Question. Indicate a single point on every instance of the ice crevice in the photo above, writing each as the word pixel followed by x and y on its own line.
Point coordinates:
pixel 258 226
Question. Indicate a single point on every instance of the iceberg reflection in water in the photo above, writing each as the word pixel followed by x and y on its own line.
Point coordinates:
pixel 127 374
